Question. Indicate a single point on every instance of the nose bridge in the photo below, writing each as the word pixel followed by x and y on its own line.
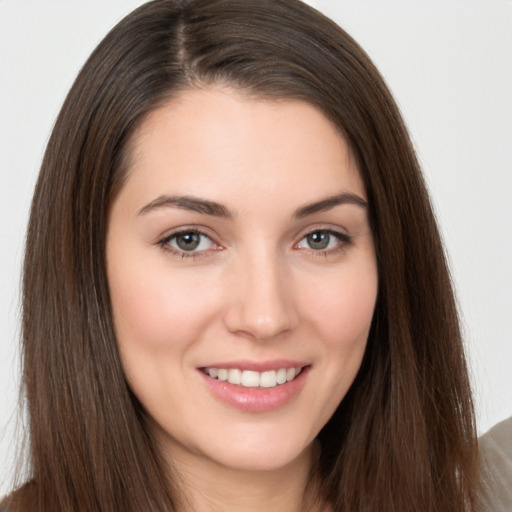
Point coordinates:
pixel 263 304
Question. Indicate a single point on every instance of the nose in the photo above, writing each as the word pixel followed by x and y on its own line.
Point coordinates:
pixel 261 299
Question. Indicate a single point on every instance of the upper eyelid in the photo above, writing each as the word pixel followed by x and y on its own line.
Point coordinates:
pixel 335 230
pixel 343 237
pixel 201 230
pixel 184 232
pixel 328 230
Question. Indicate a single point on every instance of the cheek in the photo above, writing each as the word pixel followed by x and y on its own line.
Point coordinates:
pixel 157 308
pixel 342 307
pixel 339 311
pixel 158 316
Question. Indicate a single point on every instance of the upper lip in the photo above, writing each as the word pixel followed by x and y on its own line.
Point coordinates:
pixel 257 366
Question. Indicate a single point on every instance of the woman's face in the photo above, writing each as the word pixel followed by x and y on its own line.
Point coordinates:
pixel 242 275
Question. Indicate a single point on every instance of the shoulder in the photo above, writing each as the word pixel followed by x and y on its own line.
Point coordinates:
pixel 21 499
pixel 496 463
pixel 3 506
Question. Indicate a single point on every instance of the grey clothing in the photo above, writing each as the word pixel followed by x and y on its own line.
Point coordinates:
pixel 496 455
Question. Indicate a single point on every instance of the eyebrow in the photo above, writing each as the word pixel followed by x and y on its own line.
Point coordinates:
pixel 215 209
pixel 330 202
pixel 195 204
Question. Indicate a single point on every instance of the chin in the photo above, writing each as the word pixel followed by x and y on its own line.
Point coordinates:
pixel 270 457
pixel 243 448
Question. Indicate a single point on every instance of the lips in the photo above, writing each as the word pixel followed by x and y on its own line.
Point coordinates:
pixel 255 387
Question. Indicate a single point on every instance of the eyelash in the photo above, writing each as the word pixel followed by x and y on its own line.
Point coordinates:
pixel 164 243
pixel 344 241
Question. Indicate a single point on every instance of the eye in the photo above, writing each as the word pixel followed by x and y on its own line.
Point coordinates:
pixel 323 241
pixel 188 243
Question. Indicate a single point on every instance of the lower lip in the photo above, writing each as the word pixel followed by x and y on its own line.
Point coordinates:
pixel 256 399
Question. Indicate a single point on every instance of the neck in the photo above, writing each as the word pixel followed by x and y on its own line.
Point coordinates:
pixel 209 487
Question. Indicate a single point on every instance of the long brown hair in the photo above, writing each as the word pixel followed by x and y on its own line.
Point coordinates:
pixel 403 439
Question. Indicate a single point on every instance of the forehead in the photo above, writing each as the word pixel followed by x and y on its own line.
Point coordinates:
pixel 218 136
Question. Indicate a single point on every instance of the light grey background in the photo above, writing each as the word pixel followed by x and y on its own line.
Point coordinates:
pixel 449 64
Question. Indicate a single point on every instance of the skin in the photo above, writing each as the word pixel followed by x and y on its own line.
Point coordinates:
pixel 255 289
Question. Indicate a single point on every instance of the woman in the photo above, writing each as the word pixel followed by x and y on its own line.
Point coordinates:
pixel 240 298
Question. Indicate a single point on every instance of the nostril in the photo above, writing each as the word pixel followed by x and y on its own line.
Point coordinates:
pixel 260 329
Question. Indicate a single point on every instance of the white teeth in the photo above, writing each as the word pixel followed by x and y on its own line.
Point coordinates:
pixel 252 379
pixel 235 376
pixel 268 379
pixel 281 376
pixel 290 374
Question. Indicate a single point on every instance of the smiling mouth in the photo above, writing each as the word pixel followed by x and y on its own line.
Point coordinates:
pixel 253 379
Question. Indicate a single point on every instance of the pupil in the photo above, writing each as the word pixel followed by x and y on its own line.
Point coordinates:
pixel 318 240
pixel 188 241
